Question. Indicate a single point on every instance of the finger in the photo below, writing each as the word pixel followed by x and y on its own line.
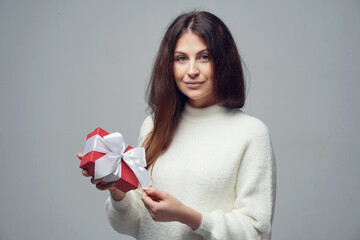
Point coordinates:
pixel 148 202
pixel 85 173
pixel 96 181
pixel 105 186
pixel 149 210
pixel 79 155
pixel 155 193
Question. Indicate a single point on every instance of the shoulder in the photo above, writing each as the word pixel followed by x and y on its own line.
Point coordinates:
pixel 146 127
pixel 247 124
pixel 147 123
pixel 255 135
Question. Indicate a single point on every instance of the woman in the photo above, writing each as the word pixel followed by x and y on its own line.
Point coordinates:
pixel 213 168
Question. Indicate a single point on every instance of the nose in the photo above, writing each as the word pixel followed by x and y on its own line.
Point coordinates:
pixel 193 70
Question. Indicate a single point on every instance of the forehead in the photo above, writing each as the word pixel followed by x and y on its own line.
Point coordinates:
pixel 190 42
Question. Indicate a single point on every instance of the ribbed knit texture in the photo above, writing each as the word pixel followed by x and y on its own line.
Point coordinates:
pixel 220 163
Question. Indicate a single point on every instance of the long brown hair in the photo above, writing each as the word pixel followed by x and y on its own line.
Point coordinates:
pixel 164 98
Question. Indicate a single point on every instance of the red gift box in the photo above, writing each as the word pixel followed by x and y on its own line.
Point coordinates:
pixel 128 180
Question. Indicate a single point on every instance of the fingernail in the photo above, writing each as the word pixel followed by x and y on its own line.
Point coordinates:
pixel 146 188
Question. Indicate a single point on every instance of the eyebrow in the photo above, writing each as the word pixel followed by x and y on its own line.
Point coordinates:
pixel 201 51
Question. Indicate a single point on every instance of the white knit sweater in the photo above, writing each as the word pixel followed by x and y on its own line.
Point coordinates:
pixel 220 163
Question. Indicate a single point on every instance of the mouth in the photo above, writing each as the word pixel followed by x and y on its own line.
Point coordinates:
pixel 194 84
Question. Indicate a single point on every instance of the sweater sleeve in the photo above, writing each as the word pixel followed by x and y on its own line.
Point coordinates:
pixel 124 215
pixel 252 213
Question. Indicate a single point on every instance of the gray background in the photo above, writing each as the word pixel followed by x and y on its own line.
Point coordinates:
pixel 67 67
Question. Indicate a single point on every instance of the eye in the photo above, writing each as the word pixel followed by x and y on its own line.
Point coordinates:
pixel 204 57
pixel 180 59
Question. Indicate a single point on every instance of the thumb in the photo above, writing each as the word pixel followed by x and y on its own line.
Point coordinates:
pixel 155 193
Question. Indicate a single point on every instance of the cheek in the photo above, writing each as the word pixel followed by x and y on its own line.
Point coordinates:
pixel 177 73
pixel 209 72
pixel 177 77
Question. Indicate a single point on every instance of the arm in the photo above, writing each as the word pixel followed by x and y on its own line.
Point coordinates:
pixel 124 216
pixel 252 213
pixel 123 209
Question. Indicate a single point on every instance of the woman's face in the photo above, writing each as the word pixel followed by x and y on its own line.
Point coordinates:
pixel 193 70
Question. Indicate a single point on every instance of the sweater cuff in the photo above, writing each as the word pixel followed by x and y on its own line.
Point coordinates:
pixel 121 205
pixel 205 225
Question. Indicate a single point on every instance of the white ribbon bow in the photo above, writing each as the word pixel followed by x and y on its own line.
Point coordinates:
pixel 109 166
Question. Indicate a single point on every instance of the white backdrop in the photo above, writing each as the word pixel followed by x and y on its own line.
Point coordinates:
pixel 67 67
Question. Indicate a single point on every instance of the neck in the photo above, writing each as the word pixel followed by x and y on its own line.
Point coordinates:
pixel 201 104
pixel 208 113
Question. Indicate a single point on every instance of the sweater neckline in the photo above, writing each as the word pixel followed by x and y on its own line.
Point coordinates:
pixel 206 114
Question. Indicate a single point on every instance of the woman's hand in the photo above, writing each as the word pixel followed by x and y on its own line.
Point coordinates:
pixel 101 185
pixel 163 207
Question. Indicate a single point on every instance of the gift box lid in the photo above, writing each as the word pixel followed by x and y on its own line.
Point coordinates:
pixel 98 131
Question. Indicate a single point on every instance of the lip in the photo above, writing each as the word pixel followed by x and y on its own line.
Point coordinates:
pixel 194 84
